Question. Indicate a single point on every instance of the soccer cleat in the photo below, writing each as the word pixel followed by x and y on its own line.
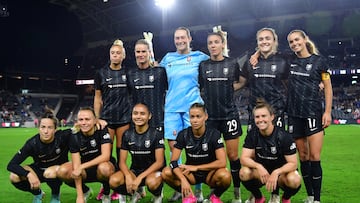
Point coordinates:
pixel 38 198
pixel 261 200
pixel 122 198
pixel 158 199
pixel 215 199
pixel 175 197
pixel 88 195
pixel 251 199
pixel 114 196
pixel 199 196
pixel 274 198
pixel 101 193
pixel 135 197
pixel 142 191
pixel 285 200
pixel 55 198
pixel 189 199
pixel 106 199
pixel 309 199
pixel 316 201
pixel 236 200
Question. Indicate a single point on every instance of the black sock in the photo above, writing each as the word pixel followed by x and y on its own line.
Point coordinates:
pixel 106 187
pixel 235 168
pixel 253 186
pixel 218 191
pixel 276 191
pixel 316 172
pixel 305 167
pixel 55 186
pixel 23 185
pixel 121 189
pixel 157 191
pixel 289 192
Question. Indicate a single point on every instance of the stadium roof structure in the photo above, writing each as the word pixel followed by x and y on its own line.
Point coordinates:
pixel 129 18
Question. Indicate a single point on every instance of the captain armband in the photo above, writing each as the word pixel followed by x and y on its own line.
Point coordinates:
pixel 174 165
pixel 325 76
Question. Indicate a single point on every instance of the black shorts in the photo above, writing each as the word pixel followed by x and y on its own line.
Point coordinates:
pixel 279 121
pixel 230 129
pixel 40 174
pixel 91 173
pixel 304 127
pixel 200 176
pixel 115 126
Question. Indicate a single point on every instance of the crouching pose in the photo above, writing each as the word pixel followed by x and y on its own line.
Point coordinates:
pixel 90 153
pixel 49 148
pixel 205 159
pixel 146 147
pixel 269 157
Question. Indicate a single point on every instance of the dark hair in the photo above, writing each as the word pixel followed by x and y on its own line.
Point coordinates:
pixel 50 114
pixel 144 104
pixel 198 105
pixel 261 103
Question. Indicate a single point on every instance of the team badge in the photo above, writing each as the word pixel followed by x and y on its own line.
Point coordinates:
pixel 188 59
pixel 308 67
pixel 123 77
pixel 273 68
pixel 147 143
pixel 205 147
pixel 226 71
pixel 291 129
pixel 151 78
pixel 93 143
pixel 273 150
pixel 57 151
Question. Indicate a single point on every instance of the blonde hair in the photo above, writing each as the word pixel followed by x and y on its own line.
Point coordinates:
pixel 119 43
pixel 276 38
pixel 310 45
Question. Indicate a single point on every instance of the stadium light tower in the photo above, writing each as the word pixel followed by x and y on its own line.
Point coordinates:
pixel 164 4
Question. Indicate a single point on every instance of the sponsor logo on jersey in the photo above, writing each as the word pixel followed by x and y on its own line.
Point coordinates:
pixel 273 150
pixel 123 77
pixel 93 143
pixel 226 71
pixel 106 136
pixel 131 143
pixel 291 129
pixel 273 68
pixel 220 141
pixel 308 67
pixel 256 67
pixel 208 71
pixel 151 78
pixel 293 65
pixel 292 146
pixel 108 79
pixel 137 79
pixel 147 143
pixel 161 141
pixel 41 155
pixel 205 147
pixel 189 146
pixel 58 151
pixel 188 59
pixel 82 149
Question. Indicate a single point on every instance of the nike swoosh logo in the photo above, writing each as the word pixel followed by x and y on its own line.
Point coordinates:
pixel 208 71
pixel 136 80
pixel 131 143
pixel 108 79
pixel 189 147
pixel 256 67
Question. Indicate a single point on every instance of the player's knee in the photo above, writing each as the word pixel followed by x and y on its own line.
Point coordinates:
pixel 153 182
pixel 64 172
pixel 116 180
pixel 105 170
pixel 245 173
pixel 232 155
pixel 224 176
pixel 293 179
pixel 166 173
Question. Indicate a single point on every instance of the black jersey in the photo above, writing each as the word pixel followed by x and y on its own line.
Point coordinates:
pixel 304 97
pixel 149 86
pixel 142 147
pixel 199 150
pixel 265 80
pixel 114 94
pixel 216 79
pixel 270 150
pixel 89 147
pixel 44 155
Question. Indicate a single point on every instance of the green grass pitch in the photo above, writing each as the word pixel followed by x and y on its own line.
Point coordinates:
pixel 340 163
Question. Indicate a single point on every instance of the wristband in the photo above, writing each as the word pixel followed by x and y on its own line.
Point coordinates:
pixel 174 165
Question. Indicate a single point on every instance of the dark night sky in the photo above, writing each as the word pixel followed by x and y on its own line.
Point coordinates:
pixel 37 35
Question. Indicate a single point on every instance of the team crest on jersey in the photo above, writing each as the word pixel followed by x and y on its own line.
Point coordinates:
pixel 161 141
pixel 123 77
pixel 291 128
pixel 273 150
pixel 93 143
pixel 273 68
pixel 106 136
pixel 205 147
pixel 188 59
pixel 226 71
pixel 151 78
pixel 147 143
pixel 308 67
pixel 57 151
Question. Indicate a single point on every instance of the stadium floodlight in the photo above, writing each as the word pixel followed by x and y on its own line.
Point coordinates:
pixel 164 4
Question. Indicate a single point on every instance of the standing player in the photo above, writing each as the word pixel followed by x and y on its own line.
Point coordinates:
pixel 146 146
pixel 90 153
pixel 266 80
pixel 148 84
pixel 217 78
pixel 205 159
pixel 182 69
pixel 111 101
pixel 307 118
pixel 49 149
pixel 269 157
